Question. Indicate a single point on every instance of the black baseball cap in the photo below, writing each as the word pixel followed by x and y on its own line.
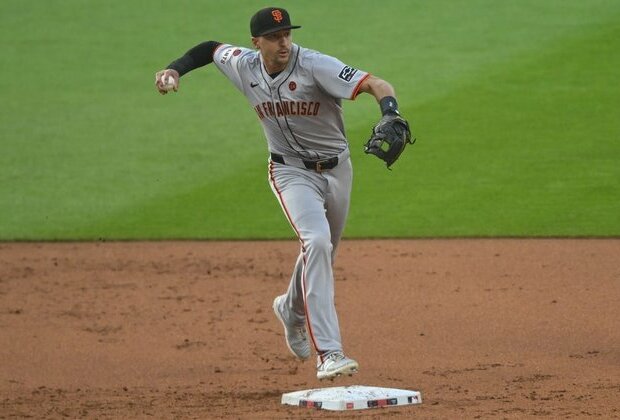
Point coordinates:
pixel 270 19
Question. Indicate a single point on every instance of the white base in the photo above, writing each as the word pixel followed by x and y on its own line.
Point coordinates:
pixel 355 397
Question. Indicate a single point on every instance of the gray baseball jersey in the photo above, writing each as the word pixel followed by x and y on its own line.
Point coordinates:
pixel 301 113
pixel 300 109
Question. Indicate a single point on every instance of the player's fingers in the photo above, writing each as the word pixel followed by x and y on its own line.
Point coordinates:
pixel 158 77
pixel 170 73
pixel 164 79
pixel 158 85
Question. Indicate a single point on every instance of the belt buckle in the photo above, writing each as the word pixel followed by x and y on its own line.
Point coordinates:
pixel 319 166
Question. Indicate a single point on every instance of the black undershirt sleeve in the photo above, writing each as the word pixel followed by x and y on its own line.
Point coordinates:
pixel 198 56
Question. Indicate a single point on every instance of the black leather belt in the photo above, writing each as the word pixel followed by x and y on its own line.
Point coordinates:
pixel 317 165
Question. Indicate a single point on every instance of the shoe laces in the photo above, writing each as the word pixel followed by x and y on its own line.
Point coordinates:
pixel 335 356
pixel 302 332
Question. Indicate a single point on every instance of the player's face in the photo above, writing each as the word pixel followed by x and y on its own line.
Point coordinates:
pixel 275 49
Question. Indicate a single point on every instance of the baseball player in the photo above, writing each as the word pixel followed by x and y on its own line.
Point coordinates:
pixel 296 94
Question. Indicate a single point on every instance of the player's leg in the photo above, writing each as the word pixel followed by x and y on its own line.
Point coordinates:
pixel 302 196
pixel 337 199
pixel 339 181
pixel 293 302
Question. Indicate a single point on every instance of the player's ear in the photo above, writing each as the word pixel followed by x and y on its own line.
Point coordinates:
pixel 255 42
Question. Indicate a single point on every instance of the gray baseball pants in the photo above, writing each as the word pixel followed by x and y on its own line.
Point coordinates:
pixel 316 205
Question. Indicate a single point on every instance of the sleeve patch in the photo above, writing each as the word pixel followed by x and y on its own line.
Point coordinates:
pixel 347 73
pixel 228 54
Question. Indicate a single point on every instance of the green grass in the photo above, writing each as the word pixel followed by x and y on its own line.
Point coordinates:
pixel 515 106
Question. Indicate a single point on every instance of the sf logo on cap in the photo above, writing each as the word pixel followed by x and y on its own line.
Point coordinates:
pixel 277 15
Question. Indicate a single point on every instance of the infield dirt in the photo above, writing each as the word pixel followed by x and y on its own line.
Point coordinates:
pixel 487 328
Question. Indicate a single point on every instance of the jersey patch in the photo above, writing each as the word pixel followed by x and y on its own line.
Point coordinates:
pixel 347 73
pixel 229 53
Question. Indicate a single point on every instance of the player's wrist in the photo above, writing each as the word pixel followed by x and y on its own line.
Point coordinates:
pixel 388 106
pixel 182 65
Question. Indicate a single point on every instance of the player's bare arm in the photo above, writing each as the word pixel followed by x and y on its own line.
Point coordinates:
pixel 378 88
pixel 392 133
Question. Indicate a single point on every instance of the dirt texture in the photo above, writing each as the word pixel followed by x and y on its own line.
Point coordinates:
pixel 509 328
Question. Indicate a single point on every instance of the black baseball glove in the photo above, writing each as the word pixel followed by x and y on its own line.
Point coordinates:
pixel 389 138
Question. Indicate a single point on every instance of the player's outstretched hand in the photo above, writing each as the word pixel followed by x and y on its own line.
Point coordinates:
pixel 167 80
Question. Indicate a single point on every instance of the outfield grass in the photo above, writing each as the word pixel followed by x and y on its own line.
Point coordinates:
pixel 515 105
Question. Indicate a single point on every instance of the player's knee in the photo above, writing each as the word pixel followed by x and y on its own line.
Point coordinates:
pixel 319 243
